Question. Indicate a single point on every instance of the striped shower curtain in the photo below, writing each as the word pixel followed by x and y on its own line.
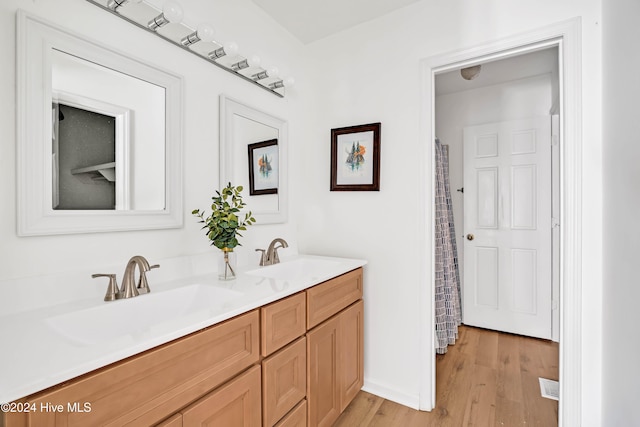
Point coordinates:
pixel 447 304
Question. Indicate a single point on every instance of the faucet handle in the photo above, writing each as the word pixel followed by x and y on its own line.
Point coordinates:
pixel 276 258
pixel 263 257
pixel 143 284
pixel 112 289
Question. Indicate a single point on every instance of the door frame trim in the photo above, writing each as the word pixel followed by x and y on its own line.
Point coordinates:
pixel 566 36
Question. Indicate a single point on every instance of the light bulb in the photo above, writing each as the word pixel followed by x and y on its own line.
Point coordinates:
pixel 172 11
pixel 230 48
pixel 254 61
pixel 273 71
pixel 205 32
pixel 289 82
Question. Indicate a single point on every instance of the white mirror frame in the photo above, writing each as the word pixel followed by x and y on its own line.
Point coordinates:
pixel 230 108
pixel 36 38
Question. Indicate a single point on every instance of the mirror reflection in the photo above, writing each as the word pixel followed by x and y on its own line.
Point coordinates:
pixel 253 146
pixel 108 138
pixel 99 136
pixel 247 133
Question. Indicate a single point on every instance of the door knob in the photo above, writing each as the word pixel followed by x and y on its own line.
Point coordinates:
pixel 470 236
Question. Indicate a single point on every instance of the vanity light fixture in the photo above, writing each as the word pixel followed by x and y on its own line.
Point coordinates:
pixel 184 36
pixel 171 12
pixel 264 74
pixel 229 48
pixel 114 4
pixel 205 33
pixel 288 82
pixel 254 61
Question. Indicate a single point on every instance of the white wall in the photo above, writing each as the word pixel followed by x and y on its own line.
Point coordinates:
pixel 371 73
pixel 621 154
pixel 253 30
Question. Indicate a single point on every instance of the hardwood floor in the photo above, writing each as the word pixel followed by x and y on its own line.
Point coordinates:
pixel 487 378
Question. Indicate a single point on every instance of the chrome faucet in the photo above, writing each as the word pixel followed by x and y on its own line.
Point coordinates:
pixel 270 256
pixel 129 289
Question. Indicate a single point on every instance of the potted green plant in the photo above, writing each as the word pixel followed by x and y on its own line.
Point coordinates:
pixel 223 226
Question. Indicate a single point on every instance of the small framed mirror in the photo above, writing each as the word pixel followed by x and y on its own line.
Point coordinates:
pixel 253 153
pixel 99 136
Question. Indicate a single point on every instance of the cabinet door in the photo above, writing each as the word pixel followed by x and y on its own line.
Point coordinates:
pixel 236 403
pixel 351 352
pixel 284 381
pixel 323 394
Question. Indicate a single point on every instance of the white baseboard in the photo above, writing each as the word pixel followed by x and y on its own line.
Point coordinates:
pixel 390 393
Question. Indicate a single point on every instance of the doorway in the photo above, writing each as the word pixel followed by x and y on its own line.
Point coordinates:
pixel 564 36
pixel 497 127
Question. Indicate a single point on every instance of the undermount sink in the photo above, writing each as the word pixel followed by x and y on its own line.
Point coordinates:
pixel 302 268
pixel 137 315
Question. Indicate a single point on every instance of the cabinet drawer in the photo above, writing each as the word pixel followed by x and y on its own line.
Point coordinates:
pixel 296 418
pixel 236 403
pixel 284 381
pixel 328 298
pixel 282 322
pixel 174 421
pixel 147 388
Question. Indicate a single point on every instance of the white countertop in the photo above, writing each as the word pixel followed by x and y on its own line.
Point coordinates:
pixel 36 355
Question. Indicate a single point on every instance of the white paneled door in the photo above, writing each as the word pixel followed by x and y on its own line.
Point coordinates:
pixel 507 226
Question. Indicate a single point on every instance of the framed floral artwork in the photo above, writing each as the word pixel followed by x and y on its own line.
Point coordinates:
pixel 263 167
pixel 355 158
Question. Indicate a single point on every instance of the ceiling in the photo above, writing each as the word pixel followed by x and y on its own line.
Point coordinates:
pixel 309 20
pixel 500 71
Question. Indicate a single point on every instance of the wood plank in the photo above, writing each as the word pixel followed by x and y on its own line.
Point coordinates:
pixel 509 358
pixel 361 410
pixel 481 401
pixel 487 349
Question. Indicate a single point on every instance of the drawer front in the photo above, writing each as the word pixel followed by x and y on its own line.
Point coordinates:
pixel 330 297
pixel 296 418
pixel 147 388
pixel 237 403
pixel 284 381
pixel 282 322
pixel 174 421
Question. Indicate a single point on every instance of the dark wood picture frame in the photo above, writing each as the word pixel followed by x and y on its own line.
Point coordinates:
pixel 253 170
pixel 367 167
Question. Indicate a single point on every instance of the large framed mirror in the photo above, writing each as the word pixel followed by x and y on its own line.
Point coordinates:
pixel 253 153
pixel 99 136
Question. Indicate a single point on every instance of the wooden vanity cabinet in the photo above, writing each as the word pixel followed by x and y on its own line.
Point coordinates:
pixel 335 347
pixel 296 362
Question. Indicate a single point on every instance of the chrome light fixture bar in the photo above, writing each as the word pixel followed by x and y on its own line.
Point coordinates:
pixel 172 13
